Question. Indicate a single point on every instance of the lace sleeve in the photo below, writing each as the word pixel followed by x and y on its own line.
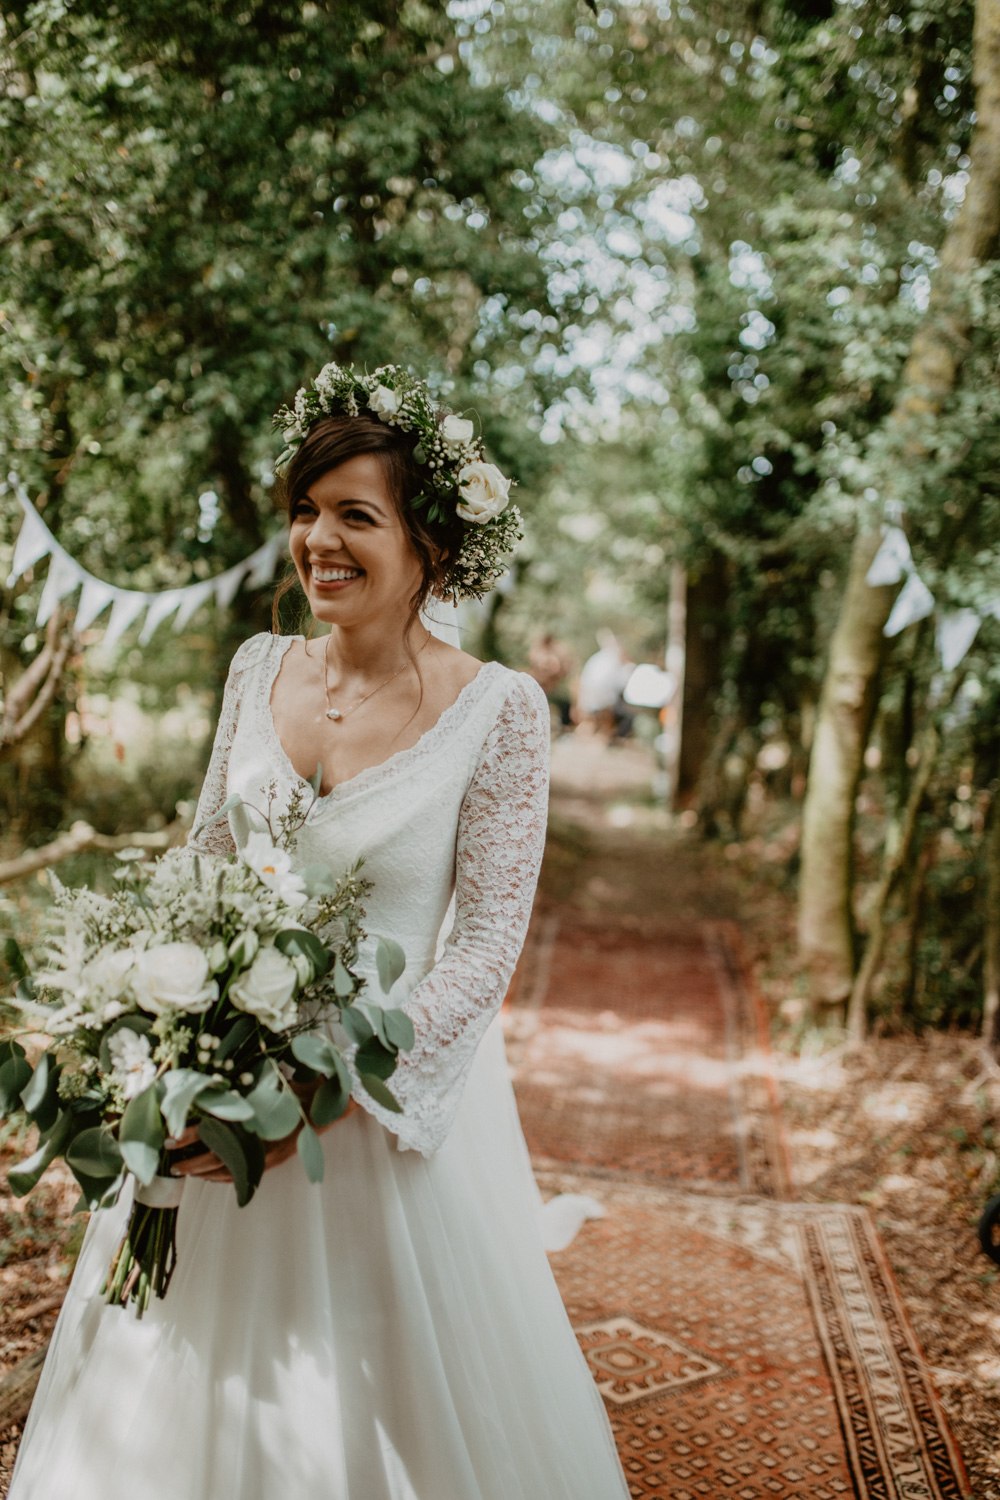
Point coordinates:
pixel 501 835
pixel 219 839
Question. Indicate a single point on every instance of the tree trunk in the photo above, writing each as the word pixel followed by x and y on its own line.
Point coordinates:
pixel 991 935
pixel 706 602
pixel 850 689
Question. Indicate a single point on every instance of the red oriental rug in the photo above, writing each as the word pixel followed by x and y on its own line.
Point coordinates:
pixel 745 1345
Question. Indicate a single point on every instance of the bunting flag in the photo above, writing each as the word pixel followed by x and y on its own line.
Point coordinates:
pixel 956 628
pixel 128 606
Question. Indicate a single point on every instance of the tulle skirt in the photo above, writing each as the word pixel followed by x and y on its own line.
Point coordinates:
pixel 393 1334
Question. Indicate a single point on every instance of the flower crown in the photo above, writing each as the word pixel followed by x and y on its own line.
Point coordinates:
pixel 458 479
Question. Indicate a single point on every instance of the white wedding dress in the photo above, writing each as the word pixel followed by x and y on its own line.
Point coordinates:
pixel 394 1333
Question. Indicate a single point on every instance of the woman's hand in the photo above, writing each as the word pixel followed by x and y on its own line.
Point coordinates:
pixel 207 1167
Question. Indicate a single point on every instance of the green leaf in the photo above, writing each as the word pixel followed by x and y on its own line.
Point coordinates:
pixel 293 941
pixel 376 1016
pixel 316 779
pixel 15 1075
pixel 373 1057
pixel 380 1093
pixel 96 1153
pixel 311 1153
pixel 275 1110
pixel 14 958
pixel 399 1029
pixel 230 1145
pixel 356 1024
pixel 40 1098
pixel 242 1029
pixel 315 1051
pixel 227 1106
pixel 234 801
pixel 96 1192
pixel 141 1134
pixel 10 1049
pixel 319 880
pixel 344 983
pixel 23 1177
pixel 390 961
pixel 330 1101
pixel 133 1022
pixel 25 989
pixel 181 1087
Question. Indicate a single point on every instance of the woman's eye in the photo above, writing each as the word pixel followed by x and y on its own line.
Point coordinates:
pixel 359 515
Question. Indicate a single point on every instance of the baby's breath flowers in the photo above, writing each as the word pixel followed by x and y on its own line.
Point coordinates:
pixel 459 481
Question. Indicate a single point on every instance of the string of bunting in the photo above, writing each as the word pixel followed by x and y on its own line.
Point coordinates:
pixel 956 628
pixel 128 606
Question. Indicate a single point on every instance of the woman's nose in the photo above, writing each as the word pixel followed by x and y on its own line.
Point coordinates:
pixel 326 534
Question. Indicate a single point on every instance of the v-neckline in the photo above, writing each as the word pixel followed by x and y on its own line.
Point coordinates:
pixel 367 773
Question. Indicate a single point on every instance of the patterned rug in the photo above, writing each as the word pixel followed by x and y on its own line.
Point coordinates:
pixel 745 1345
pixel 644 1051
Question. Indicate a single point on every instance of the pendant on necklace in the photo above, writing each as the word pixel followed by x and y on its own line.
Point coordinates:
pixel 333 713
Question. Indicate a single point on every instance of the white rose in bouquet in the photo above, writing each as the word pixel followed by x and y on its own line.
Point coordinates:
pixel 484 491
pixel 174 976
pixel 131 1061
pixel 457 431
pixel 274 868
pixel 384 403
pixel 267 990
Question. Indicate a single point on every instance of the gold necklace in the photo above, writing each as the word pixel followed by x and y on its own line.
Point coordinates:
pixel 342 713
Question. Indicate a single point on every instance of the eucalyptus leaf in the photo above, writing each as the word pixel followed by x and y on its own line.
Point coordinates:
pixel 380 1093
pixel 10 1049
pixel 25 991
pixel 33 1095
pixel 390 961
pixel 399 1029
pixel 95 1153
pixel 141 1134
pixel 330 1102
pixel 275 1110
pixel 356 1024
pixel 311 1152
pixel 344 984
pixel 96 1192
pixel 227 1106
pixel 14 958
pixel 316 779
pixel 26 1174
pixel 376 1016
pixel 181 1087
pixel 242 1029
pixel 293 940
pixel 15 1075
pixel 315 1051
pixel 373 1057
pixel 319 880
pixel 230 1145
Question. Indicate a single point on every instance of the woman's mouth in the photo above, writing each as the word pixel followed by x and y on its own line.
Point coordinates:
pixel 334 578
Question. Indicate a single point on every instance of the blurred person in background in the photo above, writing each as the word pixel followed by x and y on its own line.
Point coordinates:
pixel 599 700
pixel 550 663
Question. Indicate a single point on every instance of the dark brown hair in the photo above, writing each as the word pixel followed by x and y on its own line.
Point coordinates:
pixel 332 442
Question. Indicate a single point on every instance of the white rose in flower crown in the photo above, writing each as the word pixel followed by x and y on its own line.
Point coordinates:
pixel 274 867
pixel 484 491
pixel 174 976
pixel 384 403
pixel 267 990
pixel 457 431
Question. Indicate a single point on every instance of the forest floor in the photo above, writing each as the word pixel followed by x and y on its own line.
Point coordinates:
pixel 906 1127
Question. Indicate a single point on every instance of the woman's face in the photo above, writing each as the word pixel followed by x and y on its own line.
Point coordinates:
pixel 353 554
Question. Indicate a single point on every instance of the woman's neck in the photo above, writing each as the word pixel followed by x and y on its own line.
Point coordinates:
pixel 372 648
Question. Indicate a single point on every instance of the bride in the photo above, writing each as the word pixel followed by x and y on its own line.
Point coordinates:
pixel 394 1333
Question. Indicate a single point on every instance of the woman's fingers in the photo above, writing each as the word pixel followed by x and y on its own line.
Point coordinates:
pixel 186 1138
pixel 206 1165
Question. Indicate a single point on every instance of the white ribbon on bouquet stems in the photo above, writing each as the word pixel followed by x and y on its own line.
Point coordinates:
pixel 35 541
pixel 956 628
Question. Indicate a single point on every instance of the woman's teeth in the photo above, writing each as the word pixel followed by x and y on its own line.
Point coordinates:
pixel 335 575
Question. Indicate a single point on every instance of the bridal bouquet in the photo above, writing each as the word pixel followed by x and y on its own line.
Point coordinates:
pixel 201 993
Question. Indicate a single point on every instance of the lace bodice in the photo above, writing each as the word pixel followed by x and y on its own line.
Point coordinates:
pixel 462 812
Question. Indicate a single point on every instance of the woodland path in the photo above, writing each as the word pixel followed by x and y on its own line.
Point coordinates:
pixel 745 1344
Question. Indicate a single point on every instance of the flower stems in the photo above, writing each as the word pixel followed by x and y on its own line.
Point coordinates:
pixel 144 1261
